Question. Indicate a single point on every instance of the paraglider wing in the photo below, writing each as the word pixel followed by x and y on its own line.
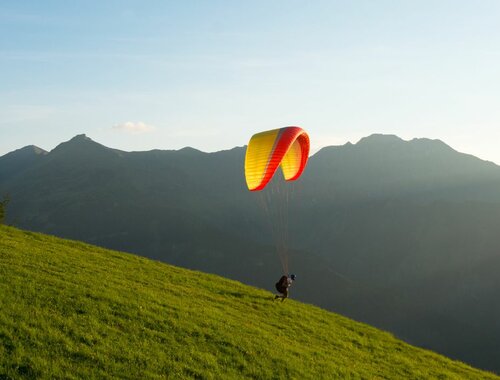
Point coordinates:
pixel 288 147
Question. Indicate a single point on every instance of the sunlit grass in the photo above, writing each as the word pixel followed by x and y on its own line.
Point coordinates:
pixel 71 310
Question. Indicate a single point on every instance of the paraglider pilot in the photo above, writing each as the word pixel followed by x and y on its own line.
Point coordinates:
pixel 282 286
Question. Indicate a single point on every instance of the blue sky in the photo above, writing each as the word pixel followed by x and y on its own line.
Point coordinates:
pixel 209 74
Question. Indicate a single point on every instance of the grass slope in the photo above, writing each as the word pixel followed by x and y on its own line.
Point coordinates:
pixel 71 310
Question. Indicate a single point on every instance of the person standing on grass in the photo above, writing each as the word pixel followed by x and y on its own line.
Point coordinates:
pixel 283 285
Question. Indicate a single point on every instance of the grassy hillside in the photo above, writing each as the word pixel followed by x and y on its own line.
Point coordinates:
pixel 71 310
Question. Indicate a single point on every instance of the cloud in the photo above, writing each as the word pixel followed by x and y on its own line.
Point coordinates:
pixel 134 127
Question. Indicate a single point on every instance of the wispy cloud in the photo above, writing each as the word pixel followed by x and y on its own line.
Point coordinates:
pixel 134 127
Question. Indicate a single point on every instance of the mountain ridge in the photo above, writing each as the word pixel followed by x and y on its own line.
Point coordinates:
pixel 373 139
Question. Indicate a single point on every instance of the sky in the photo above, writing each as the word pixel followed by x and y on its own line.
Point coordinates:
pixel 141 75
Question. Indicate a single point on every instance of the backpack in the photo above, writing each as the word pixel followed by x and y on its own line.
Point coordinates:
pixel 282 284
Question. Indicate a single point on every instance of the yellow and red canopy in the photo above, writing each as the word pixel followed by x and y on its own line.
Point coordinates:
pixel 286 147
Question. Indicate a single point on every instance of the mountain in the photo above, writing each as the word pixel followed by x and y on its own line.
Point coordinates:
pixel 16 162
pixel 398 234
pixel 72 310
pixel 382 167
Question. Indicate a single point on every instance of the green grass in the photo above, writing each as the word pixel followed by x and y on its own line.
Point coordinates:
pixel 72 310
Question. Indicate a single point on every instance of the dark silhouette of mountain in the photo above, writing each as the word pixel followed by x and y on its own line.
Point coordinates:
pixel 16 162
pixel 380 167
pixel 399 234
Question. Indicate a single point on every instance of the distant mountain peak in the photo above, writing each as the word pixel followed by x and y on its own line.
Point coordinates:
pixel 388 142
pixel 188 149
pixel 424 140
pixel 27 151
pixel 18 161
pixel 83 147
pixel 81 138
pixel 31 149
pixel 37 150
pixel 379 138
pixel 79 141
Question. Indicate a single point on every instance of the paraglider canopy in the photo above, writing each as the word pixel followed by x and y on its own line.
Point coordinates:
pixel 287 147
